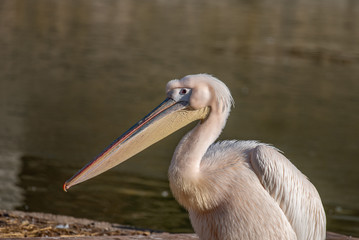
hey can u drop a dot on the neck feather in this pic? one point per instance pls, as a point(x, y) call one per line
point(192, 147)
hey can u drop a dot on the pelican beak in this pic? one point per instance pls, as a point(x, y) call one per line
point(165, 119)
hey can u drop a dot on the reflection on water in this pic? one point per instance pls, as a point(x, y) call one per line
point(76, 74)
point(133, 199)
point(11, 195)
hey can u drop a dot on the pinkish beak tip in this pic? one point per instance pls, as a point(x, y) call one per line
point(65, 187)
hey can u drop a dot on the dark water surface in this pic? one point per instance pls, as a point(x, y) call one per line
point(74, 75)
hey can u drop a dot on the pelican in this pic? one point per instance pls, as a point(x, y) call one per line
point(231, 189)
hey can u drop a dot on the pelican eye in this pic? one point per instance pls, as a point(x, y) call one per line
point(183, 91)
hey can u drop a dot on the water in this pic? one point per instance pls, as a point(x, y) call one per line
point(74, 75)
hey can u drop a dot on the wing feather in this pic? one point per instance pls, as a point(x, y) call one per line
point(295, 194)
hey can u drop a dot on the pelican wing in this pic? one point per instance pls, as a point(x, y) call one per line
point(294, 193)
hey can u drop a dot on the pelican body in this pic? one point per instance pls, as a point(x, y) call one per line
point(231, 189)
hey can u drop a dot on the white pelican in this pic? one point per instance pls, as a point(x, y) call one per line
point(231, 189)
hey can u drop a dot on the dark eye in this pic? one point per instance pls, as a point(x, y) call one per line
point(183, 91)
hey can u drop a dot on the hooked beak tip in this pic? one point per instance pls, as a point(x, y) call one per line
point(65, 187)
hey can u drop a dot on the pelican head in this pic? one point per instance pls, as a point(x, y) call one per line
point(188, 99)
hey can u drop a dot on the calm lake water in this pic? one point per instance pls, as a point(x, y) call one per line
point(74, 75)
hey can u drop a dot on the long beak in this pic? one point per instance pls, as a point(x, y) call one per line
point(165, 119)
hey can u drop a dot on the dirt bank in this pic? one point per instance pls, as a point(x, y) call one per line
point(17, 225)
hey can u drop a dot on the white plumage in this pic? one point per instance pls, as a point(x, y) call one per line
point(240, 189)
point(232, 189)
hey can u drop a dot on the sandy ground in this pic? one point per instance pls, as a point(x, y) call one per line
point(17, 225)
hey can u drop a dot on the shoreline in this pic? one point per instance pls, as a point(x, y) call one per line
point(35, 225)
point(17, 225)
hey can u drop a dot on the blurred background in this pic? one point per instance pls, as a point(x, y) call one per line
point(74, 75)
